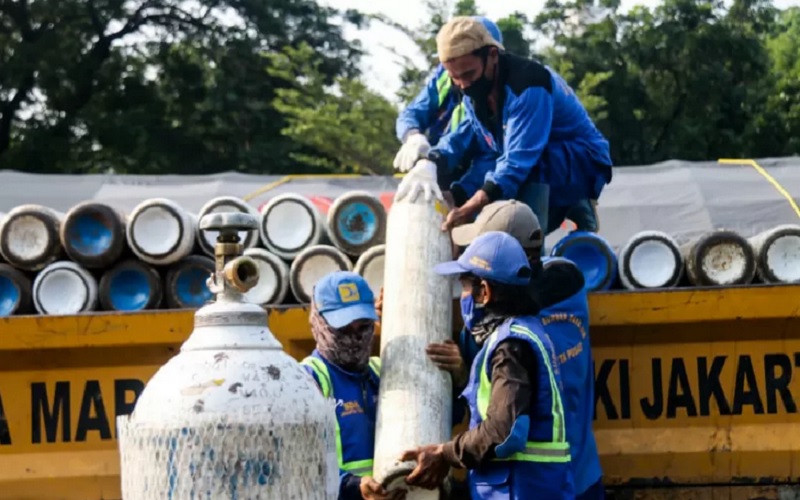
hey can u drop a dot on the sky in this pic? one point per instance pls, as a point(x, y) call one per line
point(382, 67)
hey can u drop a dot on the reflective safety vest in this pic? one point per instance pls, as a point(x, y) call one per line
point(356, 398)
point(534, 460)
point(443, 87)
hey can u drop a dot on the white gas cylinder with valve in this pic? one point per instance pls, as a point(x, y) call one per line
point(231, 416)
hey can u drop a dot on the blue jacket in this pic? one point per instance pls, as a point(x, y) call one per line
point(567, 324)
point(534, 461)
point(543, 134)
point(356, 397)
point(431, 110)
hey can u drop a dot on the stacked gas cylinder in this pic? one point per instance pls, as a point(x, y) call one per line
point(95, 257)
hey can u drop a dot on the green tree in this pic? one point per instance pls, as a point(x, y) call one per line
point(345, 126)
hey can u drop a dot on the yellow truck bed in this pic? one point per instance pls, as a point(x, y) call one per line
point(693, 388)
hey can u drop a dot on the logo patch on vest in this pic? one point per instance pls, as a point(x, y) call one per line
point(348, 292)
point(351, 408)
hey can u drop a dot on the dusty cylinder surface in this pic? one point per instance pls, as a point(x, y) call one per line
point(357, 222)
point(370, 265)
point(15, 291)
point(93, 234)
point(273, 278)
point(650, 259)
point(160, 231)
point(719, 258)
point(231, 416)
point(64, 287)
point(131, 285)
point(311, 265)
point(777, 253)
point(220, 204)
point(29, 237)
point(415, 406)
point(290, 223)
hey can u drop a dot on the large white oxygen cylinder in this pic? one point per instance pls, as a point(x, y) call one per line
point(231, 416)
point(161, 232)
point(273, 278)
point(370, 265)
point(311, 265)
point(64, 287)
point(650, 259)
point(93, 234)
point(719, 258)
point(220, 204)
point(414, 405)
point(29, 237)
point(357, 222)
point(777, 253)
point(289, 224)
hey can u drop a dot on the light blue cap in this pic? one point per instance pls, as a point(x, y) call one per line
point(343, 297)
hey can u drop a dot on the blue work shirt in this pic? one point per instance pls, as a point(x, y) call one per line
point(431, 109)
point(541, 134)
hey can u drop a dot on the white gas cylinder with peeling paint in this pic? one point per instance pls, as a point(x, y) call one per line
point(232, 416)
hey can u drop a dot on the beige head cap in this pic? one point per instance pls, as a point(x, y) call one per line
point(463, 35)
point(509, 216)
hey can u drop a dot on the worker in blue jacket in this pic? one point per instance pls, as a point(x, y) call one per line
point(516, 445)
point(435, 111)
point(342, 322)
point(535, 141)
point(560, 292)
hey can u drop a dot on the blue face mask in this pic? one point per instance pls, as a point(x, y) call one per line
point(471, 312)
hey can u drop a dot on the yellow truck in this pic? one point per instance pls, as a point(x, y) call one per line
point(695, 392)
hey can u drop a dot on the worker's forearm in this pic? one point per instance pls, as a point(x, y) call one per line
point(510, 398)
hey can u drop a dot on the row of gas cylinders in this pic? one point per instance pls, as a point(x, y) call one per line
point(95, 257)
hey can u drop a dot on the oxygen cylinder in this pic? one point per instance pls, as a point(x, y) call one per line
point(650, 259)
point(224, 204)
point(593, 256)
point(93, 234)
point(357, 222)
point(777, 253)
point(63, 288)
point(29, 237)
point(415, 400)
point(273, 278)
point(231, 416)
point(131, 285)
point(290, 223)
point(371, 266)
point(719, 258)
point(161, 232)
point(15, 292)
point(185, 283)
point(311, 265)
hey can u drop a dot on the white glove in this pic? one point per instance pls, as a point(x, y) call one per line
point(415, 147)
point(421, 179)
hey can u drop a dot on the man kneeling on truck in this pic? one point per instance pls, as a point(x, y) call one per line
point(516, 446)
point(343, 325)
point(561, 294)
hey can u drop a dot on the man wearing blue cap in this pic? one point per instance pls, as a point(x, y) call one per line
point(516, 445)
point(342, 321)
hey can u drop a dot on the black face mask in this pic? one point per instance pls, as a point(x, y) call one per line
point(479, 90)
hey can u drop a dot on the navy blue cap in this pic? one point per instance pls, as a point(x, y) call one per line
point(494, 256)
point(343, 297)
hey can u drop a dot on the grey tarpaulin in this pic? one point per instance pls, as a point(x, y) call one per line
point(684, 199)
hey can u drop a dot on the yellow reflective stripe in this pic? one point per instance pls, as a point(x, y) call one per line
point(443, 87)
point(559, 434)
point(540, 452)
point(459, 113)
point(375, 365)
point(484, 385)
point(359, 467)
